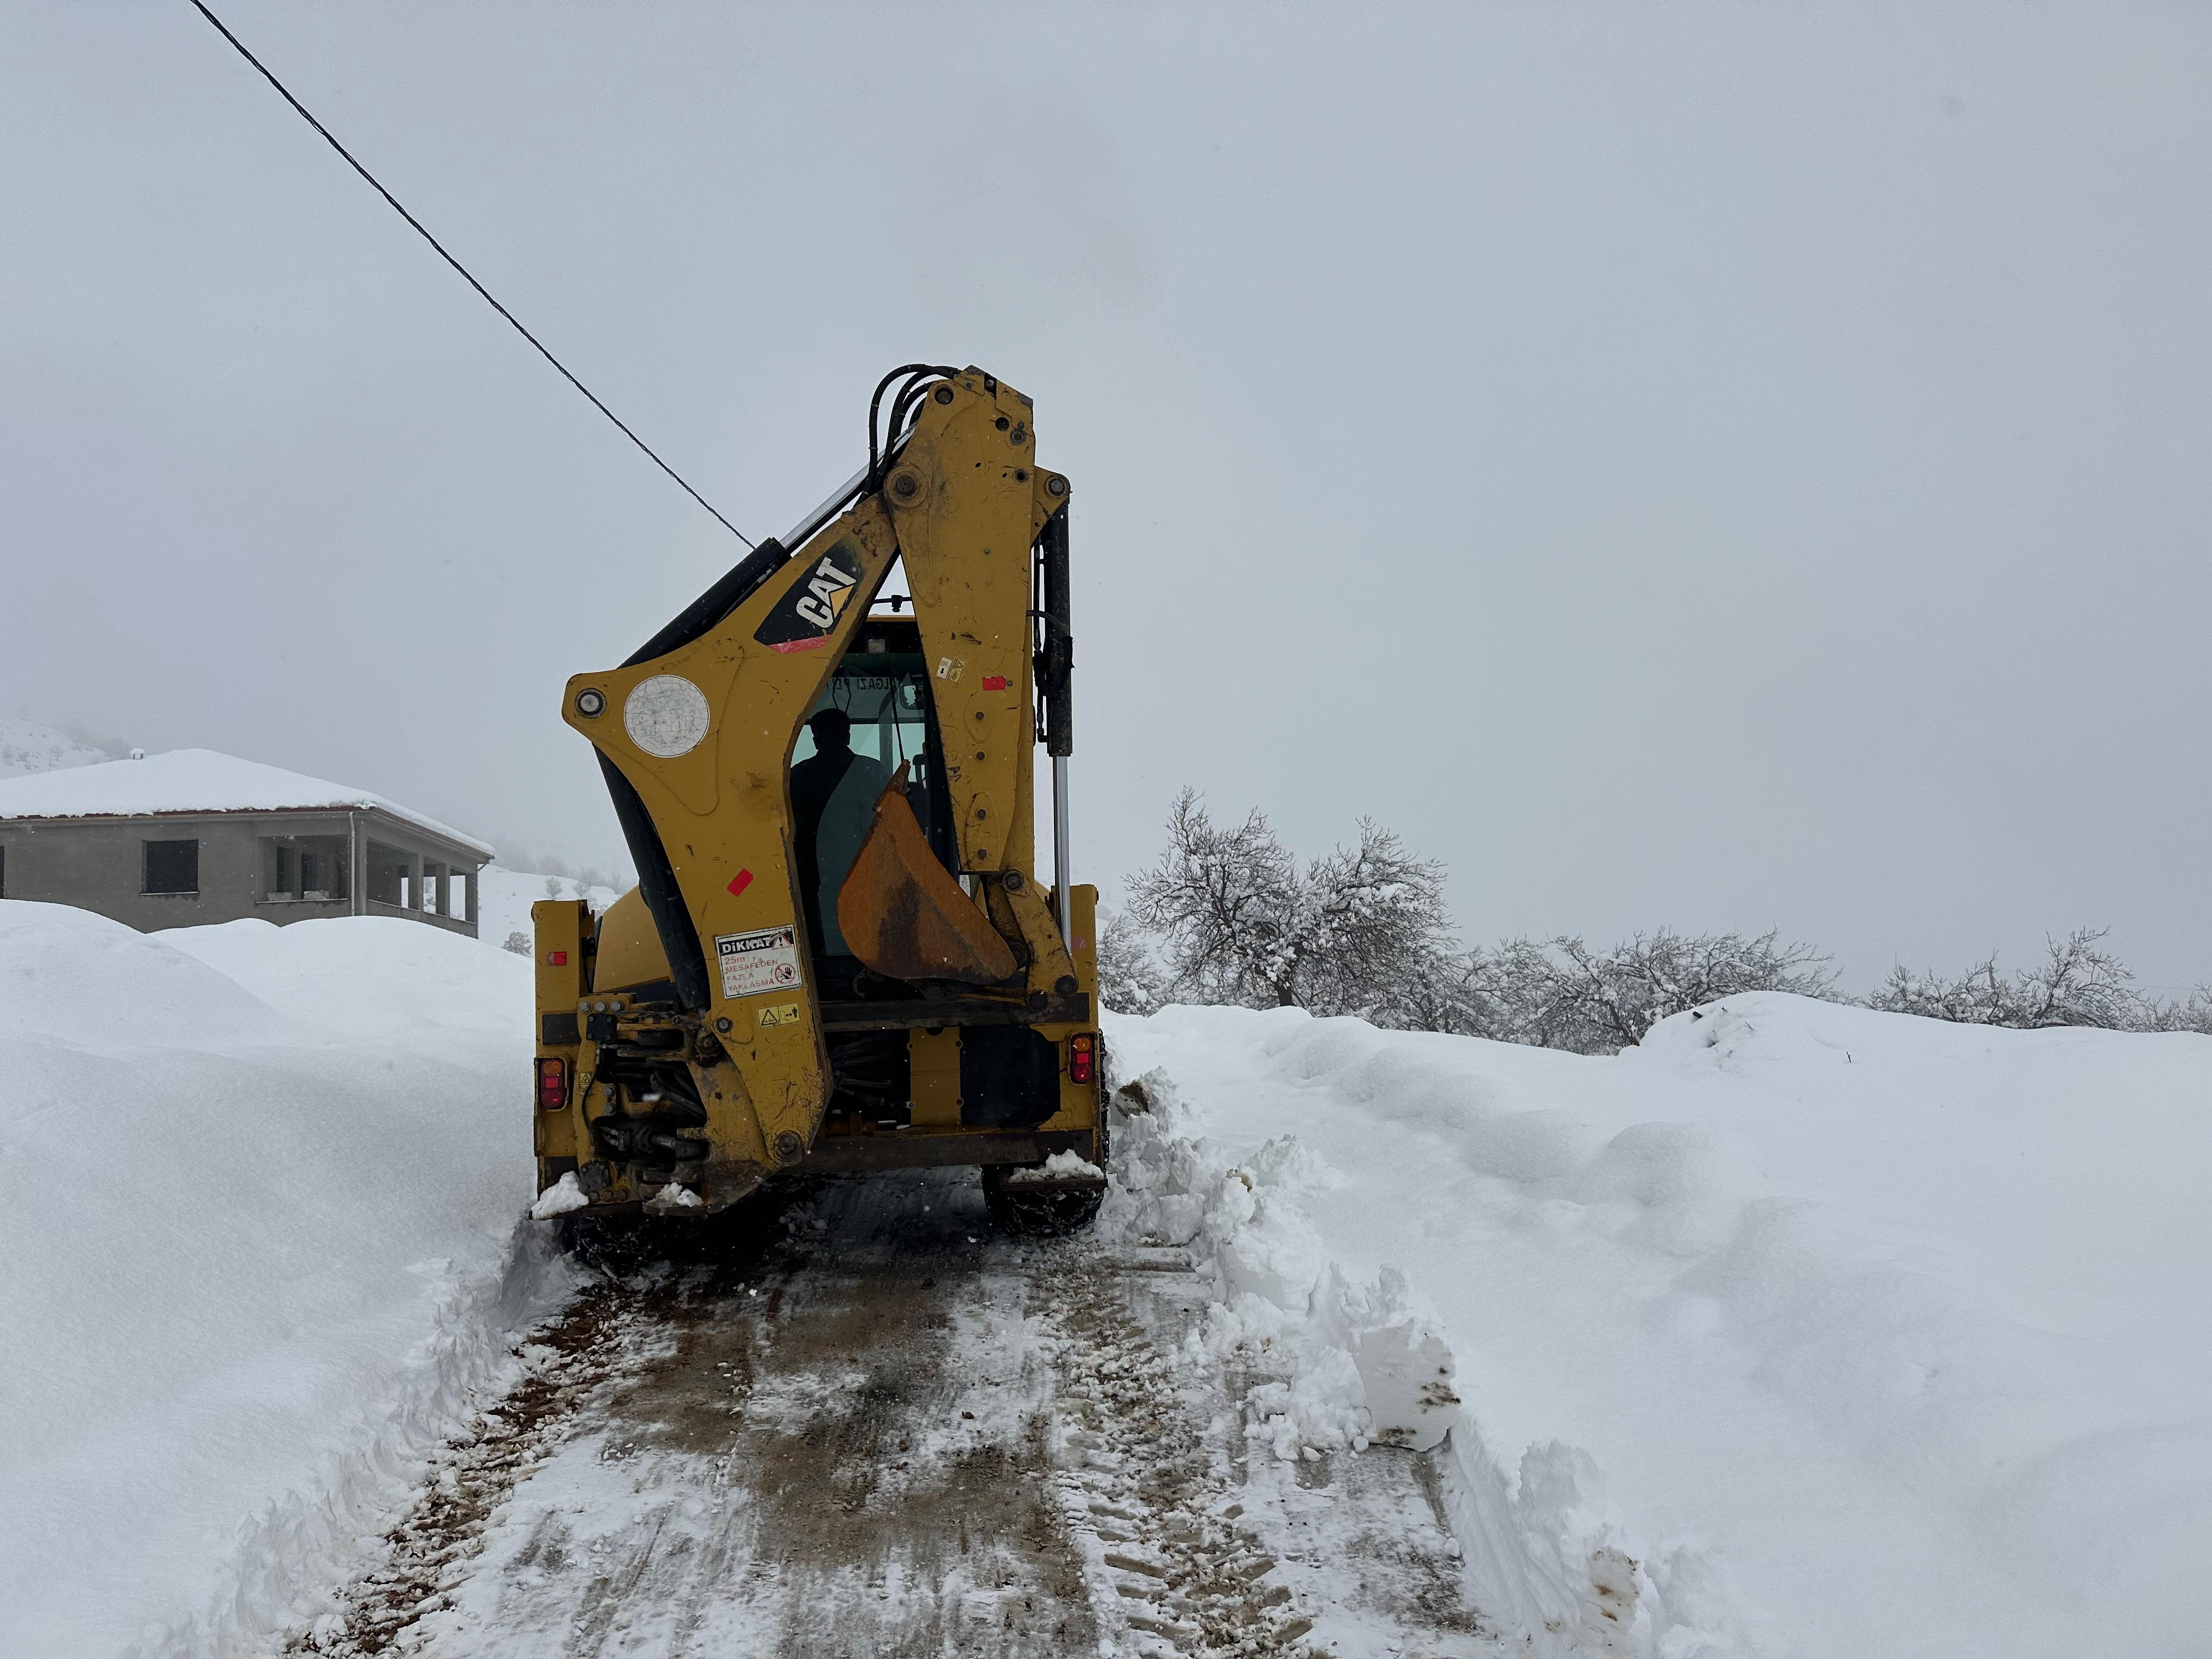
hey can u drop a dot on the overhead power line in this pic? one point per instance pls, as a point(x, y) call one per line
point(307, 115)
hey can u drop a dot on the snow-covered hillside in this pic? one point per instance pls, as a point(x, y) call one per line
point(1862, 1335)
point(262, 1192)
point(27, 745)
point(504, 897)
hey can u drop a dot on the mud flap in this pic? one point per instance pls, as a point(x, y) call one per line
point(1009, 1076)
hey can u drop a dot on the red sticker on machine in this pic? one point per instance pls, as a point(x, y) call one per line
point(994, 682)
point(739, 882)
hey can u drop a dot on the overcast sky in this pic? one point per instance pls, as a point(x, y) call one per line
point(1728, 467)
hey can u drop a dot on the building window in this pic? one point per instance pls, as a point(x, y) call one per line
point(171, 866)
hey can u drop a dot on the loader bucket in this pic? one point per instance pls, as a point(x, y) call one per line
point(903, 915)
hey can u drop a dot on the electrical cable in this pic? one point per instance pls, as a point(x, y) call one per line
point(329, 138)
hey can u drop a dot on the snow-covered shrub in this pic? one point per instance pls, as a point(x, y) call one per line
point(2194, 1015)
point(519, 942)
point(2081, 984)
point(1563, 995)
point(1130, 978)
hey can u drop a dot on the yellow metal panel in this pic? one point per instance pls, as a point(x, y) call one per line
point(629, 947)
point(559, 925)
point(1078, 1102)
point(933, 1058)
point(559, 928)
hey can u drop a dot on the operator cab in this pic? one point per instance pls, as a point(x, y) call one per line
point(882, 688)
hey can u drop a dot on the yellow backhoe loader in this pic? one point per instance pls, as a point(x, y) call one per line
point(839, 955)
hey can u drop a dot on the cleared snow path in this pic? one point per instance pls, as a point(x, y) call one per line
point(882, 1428)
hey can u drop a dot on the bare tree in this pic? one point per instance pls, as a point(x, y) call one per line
point(2080, 984)
point(1450, 992)
point(1243, 922)
point(1363, 931)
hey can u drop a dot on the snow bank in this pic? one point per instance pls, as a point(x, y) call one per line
point(1799, 1329)
point(263, 1253)
point(192, 780)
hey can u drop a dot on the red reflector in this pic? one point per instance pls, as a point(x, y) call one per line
point(552, 1084)
point(739, 882)
point(1082, 1056)
point(556, 959)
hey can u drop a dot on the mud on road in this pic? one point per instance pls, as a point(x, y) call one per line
point(868, 1425)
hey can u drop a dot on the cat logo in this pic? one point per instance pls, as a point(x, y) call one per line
point(811, 606)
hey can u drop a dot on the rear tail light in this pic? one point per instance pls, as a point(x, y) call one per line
point(552, 1084)
point(1082, 1058)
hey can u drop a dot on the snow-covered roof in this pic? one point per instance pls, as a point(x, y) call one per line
point(195, 781)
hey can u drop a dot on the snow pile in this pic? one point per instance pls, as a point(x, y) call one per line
point(562, 1196)
point(1356, 1365)
point(192, 781)
point(1063, 1167)
point(29, 745)
point(1345, 1366)
point(263, 1254)
point(1896, 1333)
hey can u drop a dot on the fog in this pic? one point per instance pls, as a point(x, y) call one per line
point(1714, 466)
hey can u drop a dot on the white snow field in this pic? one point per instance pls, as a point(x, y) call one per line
point(504, 897)
point(1799, 1331)
point(1860, 1336)
point(262, 1253)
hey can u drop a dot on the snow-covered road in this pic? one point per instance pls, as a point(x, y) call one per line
point(1798, 1330)
point(871, 1426)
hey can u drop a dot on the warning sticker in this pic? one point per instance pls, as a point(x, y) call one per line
point(779, 1013)
point(764, 960)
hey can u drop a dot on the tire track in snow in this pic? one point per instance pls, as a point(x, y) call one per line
point(885, 1430)
point(603, 1336)
point(1168, 1560)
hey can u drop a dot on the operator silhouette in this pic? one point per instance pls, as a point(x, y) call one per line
point(832, 800)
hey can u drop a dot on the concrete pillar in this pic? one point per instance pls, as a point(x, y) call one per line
point(357, 874)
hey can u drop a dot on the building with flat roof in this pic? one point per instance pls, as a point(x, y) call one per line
point(194, 836)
